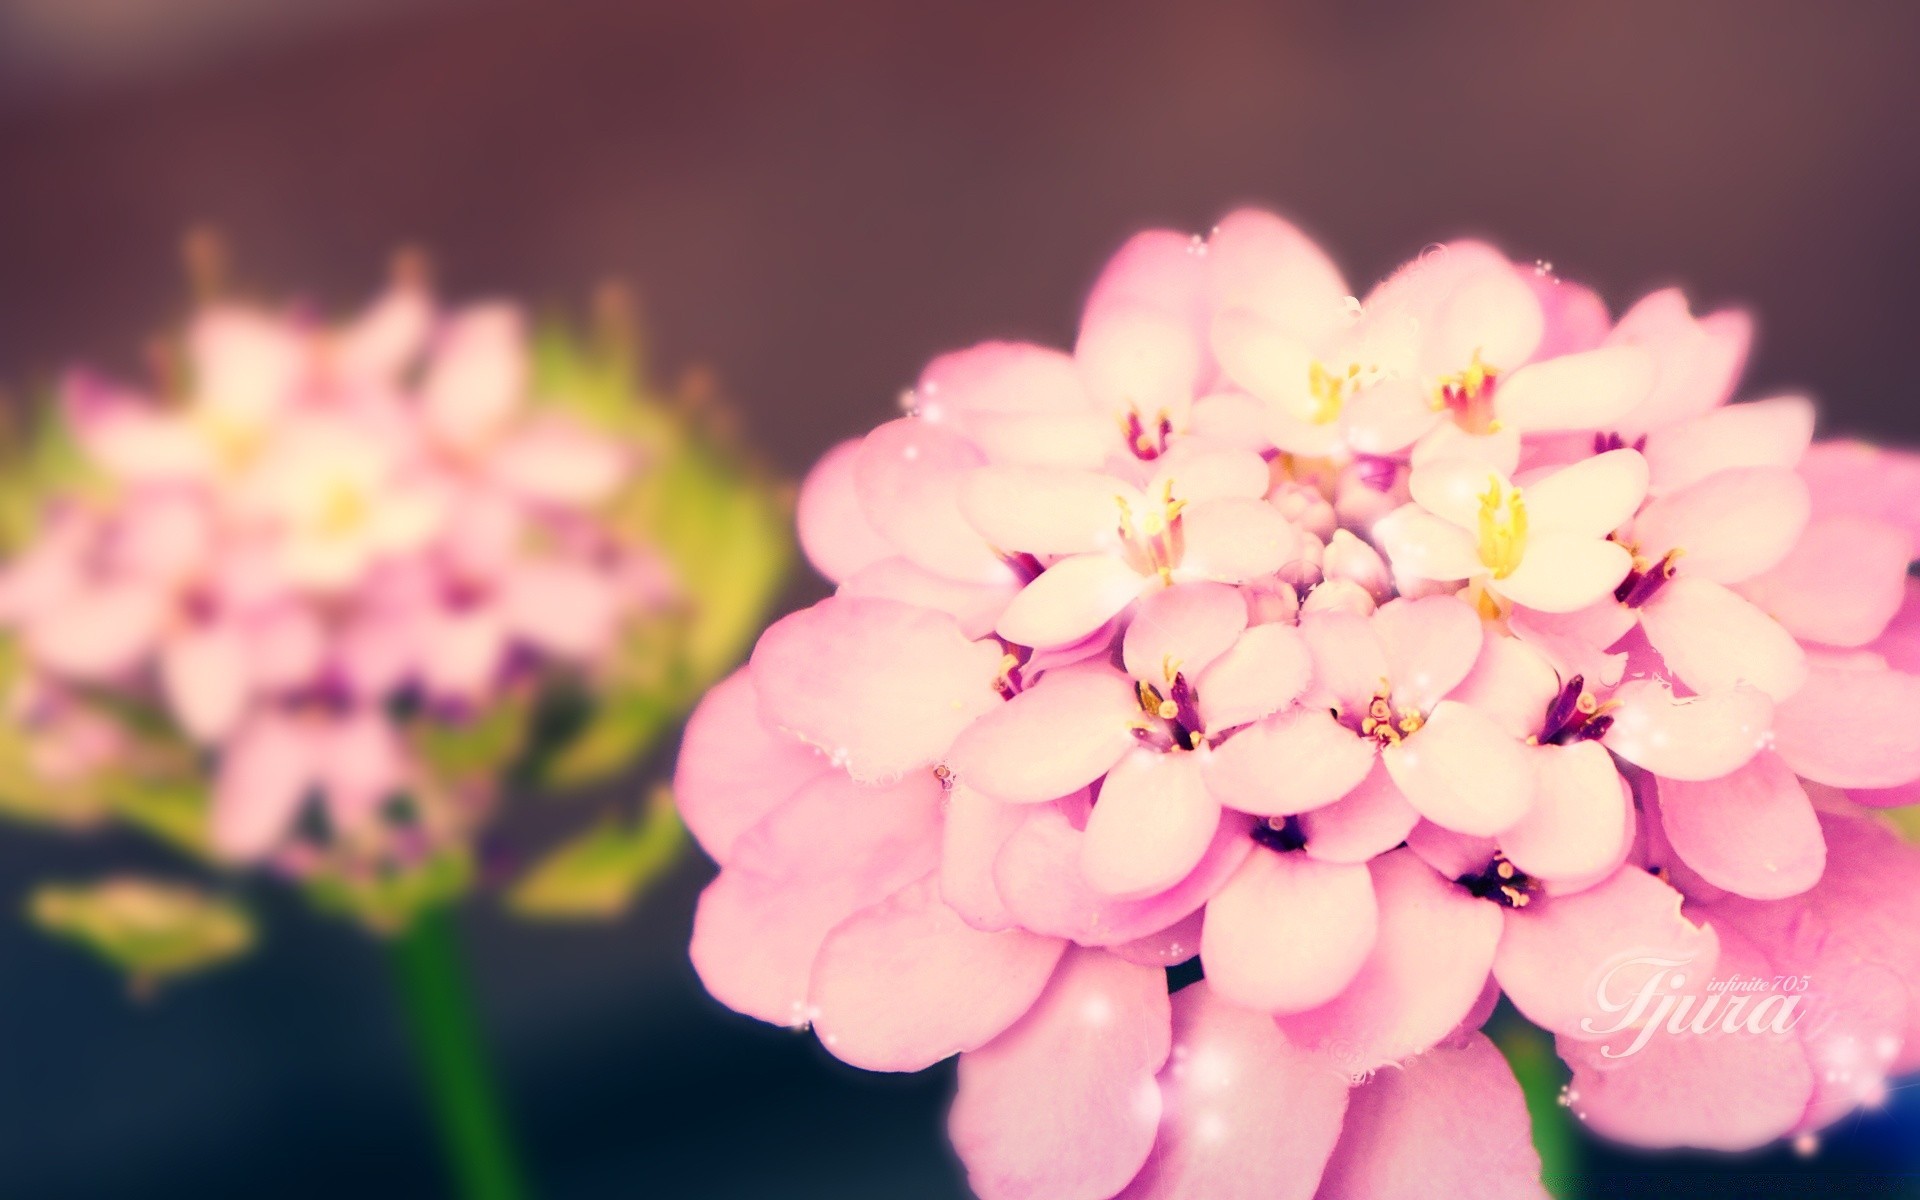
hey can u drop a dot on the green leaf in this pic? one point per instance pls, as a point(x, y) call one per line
point(153, 930)
point(598, 873)
point(1543, 1078)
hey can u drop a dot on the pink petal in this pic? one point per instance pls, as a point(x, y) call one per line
point(1729, 526)
point(1153, 822)
point(1763, 433)
point(1559, 951)
point(1855, 479)
point(883, 687)
point(1841, 584)
point(287, 648)
point(1426, 969)
point(1235, 540)
point(1038, 874)
point(976, 606)
point(1000, 377)
point(1063, 1106)
point(1587, 390)
point(1266, 668)
point(1430, 643)
point(1266, 359)
point(1512, 684)
point(1423, 546)
point(461, 653)
point(478, 374)
point(1753, 832)
point(1371, 819)
point(976, 830)
point(1247, 1115)
point(1257, 261)
point(361, 767)
point(100, 632)
point(264, 775)
point(1169, 947)
point(904, 983)
point(734, 768)
point(1692, 737)
point(1698, 360)
point(1451, 488)
point(566, 609)
point(1836, 728)
point(907, 476)
point(1578, 826)
point(1387, 416)
point(205, 673)
point(1182, 629)
point(1714, 639)
point(1052, 739)
point(1591, 498)
point(1349, 661)
point(559, 464)
point(1288, 932)
point(1042, 510)
point(1563, 573)
point(1866, 913)
point(1717, 1090)
point(1069, 600)
point(1462, 771)
point(834, 530)
point(1289, 763)
point(1450, 1123)
point(1491, 312)
point(831, 850)
point(1136, 357)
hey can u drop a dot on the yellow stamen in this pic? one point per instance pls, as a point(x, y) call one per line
point(1503, 529)
point(1329, 392)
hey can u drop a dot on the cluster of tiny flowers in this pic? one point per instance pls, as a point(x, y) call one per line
point(314, 541)
point(1388, 655)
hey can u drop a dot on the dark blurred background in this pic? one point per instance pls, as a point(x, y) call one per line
point(813, 199)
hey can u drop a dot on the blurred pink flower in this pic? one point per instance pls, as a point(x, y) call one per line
point(324, 523)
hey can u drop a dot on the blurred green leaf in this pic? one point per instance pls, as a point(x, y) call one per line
point(720, 526)
point(597, 874)
point(153, 930)
point(171, 809)
point(389, 901)
point(42, 459)
point(477, 749)
point(1906, 820)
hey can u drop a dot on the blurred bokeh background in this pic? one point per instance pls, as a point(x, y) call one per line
point(813, 199)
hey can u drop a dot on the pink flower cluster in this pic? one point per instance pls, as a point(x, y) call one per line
point(317, 533)
point(1389, 655)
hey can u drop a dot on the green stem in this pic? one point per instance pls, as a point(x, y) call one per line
point(1542, 1077)
point(431, 978)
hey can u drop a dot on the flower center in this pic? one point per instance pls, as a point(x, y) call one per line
point(342, 511)
point(1575, 715)
point(1283, 834)
point(1173, 715)
point(1468, 396)
point(1501, 882)
point(1147, 440)
point(1503, 528)
point(1152, 538)
point(1329, 391)
point(1646, 579)
point(1386, 724)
